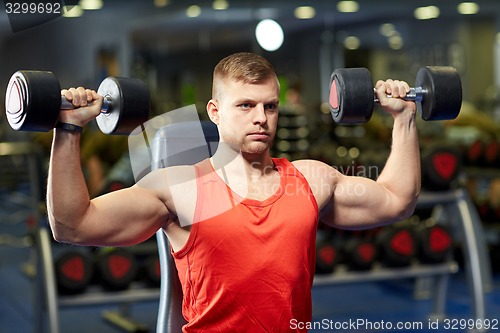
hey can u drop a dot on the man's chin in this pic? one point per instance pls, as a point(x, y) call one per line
point(256, 148)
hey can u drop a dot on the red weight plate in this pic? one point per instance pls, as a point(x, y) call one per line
point(327, 254)
point(119, 266)
point(402, 243)
point(334, 97)
point(74, 269)
point(445, 164)
point(439, 240)
point(366, 252)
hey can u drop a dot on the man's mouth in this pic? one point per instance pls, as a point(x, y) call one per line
point(259, 135)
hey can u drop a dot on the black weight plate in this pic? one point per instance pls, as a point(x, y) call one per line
point(73, 272)
point(32, 101)
point(153, 271)
point(116, 268)
point(397, 246)
point(441, 166)
point(327, 256)
point(443, 97)
point(360, 254)
point(351, 95)
point(129, 105)
point(435, 244)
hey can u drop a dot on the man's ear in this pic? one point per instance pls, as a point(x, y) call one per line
point(213, 111)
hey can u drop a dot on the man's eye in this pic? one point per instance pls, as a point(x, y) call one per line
point(271, 107)
point(245, 106)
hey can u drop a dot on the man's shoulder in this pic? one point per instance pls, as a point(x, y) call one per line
point(309, 167)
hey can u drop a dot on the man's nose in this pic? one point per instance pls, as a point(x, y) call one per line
point(259, 114)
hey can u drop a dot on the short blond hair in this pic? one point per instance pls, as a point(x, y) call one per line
point(242, 67)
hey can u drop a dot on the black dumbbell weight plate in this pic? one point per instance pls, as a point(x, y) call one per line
point(441, 165)
point(360, 254)
point(443, 97)
point(435, 244)
point(327, 257)
point(73, 272)
point(351, 95)
point(116, 268)
point(129, 105)
point(397, 246)
point(32, 101)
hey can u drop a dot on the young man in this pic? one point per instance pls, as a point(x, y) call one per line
point(246, 250)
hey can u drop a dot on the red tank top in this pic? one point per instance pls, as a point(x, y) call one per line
point(250, 268)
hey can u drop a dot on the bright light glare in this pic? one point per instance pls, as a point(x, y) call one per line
point(347, 6)
point(220, 5)
point(72, 11)
point(468, 8)
point(193, 11)
point(426, 13)
point(90, 4)
point(269, 35)
point(305, 12)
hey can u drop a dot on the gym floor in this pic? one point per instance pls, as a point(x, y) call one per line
point(378, 304)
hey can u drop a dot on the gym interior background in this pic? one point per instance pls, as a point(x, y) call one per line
point(172, 45)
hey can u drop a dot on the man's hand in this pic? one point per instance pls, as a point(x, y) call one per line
point(394, 104)
point(87, 105)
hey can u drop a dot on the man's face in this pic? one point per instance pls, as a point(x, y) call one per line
point(247, 114)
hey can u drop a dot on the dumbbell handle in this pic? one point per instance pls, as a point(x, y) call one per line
point(415, 94)
point(105, 108)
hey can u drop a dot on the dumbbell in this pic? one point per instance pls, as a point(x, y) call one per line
point(397, 245)
point(360, 251)
point(360, 254)
point(151, 270)
point(73, 270)
point(327, 257)
point(116, 268)
point(435, 242)
point(441, 166)
point(327, 251)
point(33, 101)
point(437, 93)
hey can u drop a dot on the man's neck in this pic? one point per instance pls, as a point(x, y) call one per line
point(243, 172)
point(232, 159)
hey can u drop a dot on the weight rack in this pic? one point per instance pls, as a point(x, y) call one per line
point(48, 302)
point(457, 208)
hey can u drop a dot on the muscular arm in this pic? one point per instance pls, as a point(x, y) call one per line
point(357, 202)
point(119, 218)
point(360, 202)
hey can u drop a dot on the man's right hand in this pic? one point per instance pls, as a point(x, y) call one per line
point(87, 105)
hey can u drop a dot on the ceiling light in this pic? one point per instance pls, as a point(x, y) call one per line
point(220, 5)
point(90, 4)
point(426, 13)
point(193, 11)
point(269, 35)
point(387, 29)
point(468, 8)
point(161, 3)
point(395, 42)
point(352, 43)
point(305, 12)
point(347, 6)
point(72, 11)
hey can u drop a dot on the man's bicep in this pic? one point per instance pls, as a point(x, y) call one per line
point(359, 202)
point(122, 218)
